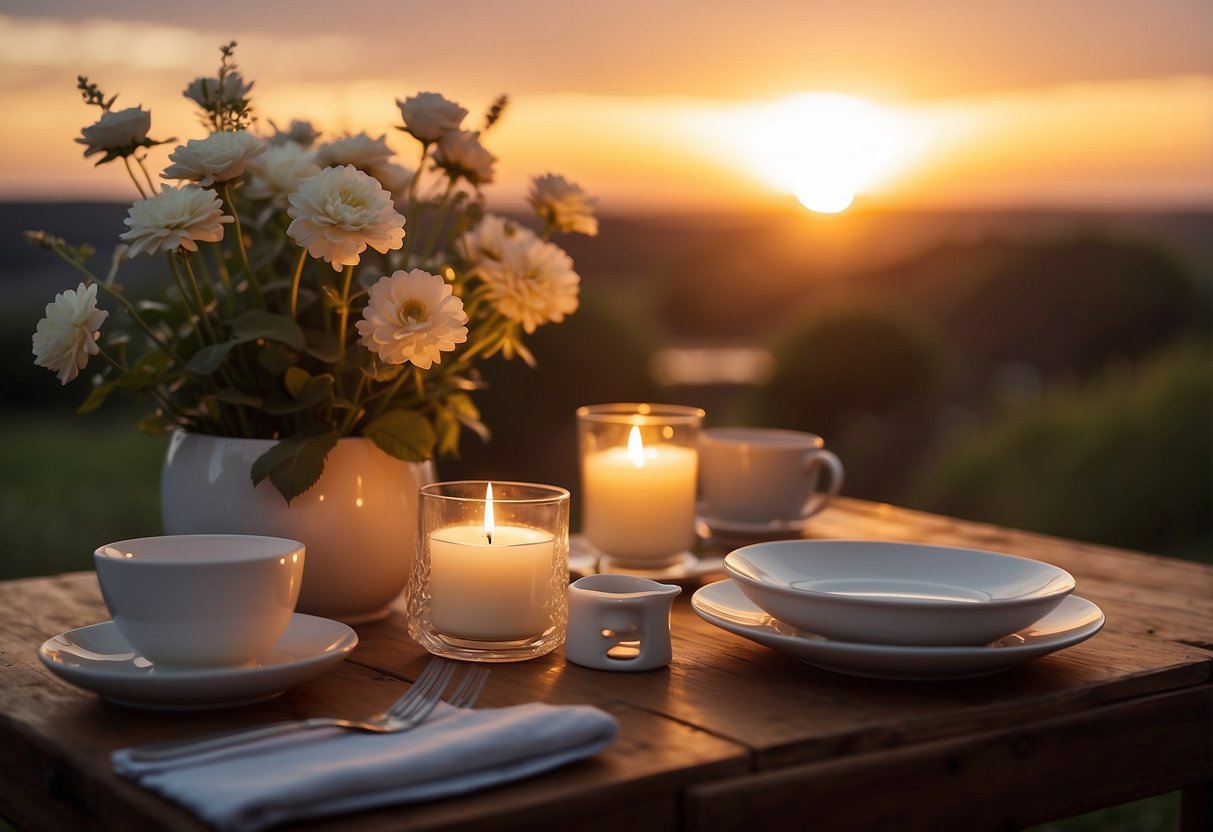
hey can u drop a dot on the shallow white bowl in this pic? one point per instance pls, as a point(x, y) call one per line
point(880, 592)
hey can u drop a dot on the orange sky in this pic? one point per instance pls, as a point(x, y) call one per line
point(672, 105)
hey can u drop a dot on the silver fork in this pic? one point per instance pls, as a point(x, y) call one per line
point(405, 713)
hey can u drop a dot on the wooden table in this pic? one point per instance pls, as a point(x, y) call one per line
point(732, 735)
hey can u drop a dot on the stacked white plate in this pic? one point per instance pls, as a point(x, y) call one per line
point(897, 610)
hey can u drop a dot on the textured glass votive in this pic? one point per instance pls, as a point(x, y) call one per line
point(639, 464)
point(490, 578)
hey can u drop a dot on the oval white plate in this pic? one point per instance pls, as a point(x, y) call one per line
point(1074, 620)
point(99, 659)
point(883, 592)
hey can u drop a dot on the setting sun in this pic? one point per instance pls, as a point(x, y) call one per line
point(826, 148)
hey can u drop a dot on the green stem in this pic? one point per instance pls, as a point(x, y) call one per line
point(126, 160)
point(151, 185)
point(192, 284)
point(343, 323)
point(439, 222)
point(254, 283)
point(295, 284)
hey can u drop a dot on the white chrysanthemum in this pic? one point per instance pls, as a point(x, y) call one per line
point(460, 153)
point(413, 317)
point(217, 158)
point(340, 211)
point(563, 205)
point(117, 133)
point(277, 173)
point(428, 116)
point(175, 218)
point(67, 336)
point(487, 239)
point(361, 151)
point(533, 282)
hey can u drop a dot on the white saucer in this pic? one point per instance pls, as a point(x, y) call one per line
point(584, 560)
point(1074, 620)
point(99, 659)
point(710, 528)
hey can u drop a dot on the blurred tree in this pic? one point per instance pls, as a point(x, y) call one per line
point(863, 376)
point(1126, 460)
point(1068, 307)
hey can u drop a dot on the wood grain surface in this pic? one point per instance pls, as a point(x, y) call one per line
point(731, 735)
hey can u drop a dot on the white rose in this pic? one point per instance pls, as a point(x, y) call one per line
point(428, 116)
point(117, 133)
point(217, 158)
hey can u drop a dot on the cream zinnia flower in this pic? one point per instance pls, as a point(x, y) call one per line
point(412, 317)
point(217, 158)
point(487, 239)
point(67, 336)
point(563, 205)
point(277, 173)
point(361, 151)
point(460, 153)
point(340, 211)
point(175, 218)
point(428, 116)
point(532, 283)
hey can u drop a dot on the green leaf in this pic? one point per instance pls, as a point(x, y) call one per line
point(405, 434)
point(207, 360)
point(96, 398)
point(296, 380)
point(231, 396)
point(322, 345)
point(153, 424)
point(257, 323)
point(317, 390)
point(294, 465)
point(275, 358)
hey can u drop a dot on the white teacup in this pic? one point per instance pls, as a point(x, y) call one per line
point(763, 477)
point(201, 600)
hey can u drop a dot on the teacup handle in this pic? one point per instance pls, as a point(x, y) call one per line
point(814, 460)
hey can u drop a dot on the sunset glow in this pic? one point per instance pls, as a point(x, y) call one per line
point(758, 141)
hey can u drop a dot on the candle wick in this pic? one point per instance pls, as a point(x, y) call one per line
point(489, 535)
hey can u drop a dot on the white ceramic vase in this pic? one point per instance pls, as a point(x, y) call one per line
point(358, 522)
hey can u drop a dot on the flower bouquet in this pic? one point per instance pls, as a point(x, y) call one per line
point(313, 290)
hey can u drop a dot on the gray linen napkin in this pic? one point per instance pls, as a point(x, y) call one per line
point(326, 772)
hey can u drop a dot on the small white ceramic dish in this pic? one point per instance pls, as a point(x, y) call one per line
point(99, 659)
point(584, 560)
point(882, 592)
point(1073, 621)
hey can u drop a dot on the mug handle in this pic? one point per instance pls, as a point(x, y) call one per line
point(821, 458)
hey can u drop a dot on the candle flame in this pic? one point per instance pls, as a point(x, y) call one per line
point(489, 523)
point(635, 447)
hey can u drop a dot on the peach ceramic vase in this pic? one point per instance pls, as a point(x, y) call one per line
point(358, 522)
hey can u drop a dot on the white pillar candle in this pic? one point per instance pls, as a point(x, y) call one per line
point(639, 501)
point(490, 591)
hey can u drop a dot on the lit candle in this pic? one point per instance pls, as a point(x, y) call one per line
point(490, 582)
point(639, 500)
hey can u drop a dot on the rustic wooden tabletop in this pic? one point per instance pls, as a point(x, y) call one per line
point(732, 735)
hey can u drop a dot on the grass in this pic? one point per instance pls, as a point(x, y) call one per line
point(69, 484)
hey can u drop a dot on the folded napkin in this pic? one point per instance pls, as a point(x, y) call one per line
point(329, 771)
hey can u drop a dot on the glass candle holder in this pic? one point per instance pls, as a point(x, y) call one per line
point(489, 581)
point(639, 464)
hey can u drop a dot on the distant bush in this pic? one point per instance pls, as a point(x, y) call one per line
point(864, 376)
point(1068, 307)
point(1125, 460)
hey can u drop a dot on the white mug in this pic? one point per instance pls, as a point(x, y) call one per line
point(764, 476)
